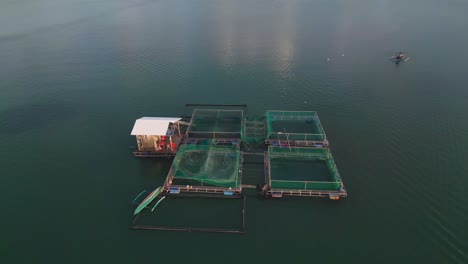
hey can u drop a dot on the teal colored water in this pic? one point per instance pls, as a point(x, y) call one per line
point(74, 75)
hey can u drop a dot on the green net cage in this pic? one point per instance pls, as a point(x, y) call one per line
point(254, 129)
point(214, 123)
point(294, 125)
point(207, 165)
point(302, 169)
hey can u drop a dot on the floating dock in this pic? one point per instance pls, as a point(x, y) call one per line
point(208, 145)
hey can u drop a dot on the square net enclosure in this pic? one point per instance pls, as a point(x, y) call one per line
point(206, 165)
point(214, 123)
point(302, 169)
point(294, 125)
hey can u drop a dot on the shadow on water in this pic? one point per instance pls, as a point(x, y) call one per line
point(33, 116)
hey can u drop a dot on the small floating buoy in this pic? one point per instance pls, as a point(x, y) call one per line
point(333, 196)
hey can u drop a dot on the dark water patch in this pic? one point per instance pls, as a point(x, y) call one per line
point(33, 116)
point(65, 25)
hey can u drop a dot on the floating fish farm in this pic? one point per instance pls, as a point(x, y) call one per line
point(210, 144)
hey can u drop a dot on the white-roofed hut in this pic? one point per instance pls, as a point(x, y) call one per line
point(157, 136)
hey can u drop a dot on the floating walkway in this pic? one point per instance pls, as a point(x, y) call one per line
point(208, 145)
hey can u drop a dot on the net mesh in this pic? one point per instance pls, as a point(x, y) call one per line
point(303, 168)
point(254, 130)
point(294, 125)
point(207, 165)
point(210, 123)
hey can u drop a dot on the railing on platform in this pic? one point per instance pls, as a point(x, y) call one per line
point(311, 193)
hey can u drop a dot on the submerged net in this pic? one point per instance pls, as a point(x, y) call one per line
point(303, 168)
point(210, 123)
point(207, 165)
point(294, 125)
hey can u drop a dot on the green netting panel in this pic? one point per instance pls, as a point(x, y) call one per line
point(287, 185)
point(212, 165)
point(294, 125)
point(306, 185)
point(323, 185)
point(299, 153)
point(254, 129)
point(302, 168)
point(210, 123)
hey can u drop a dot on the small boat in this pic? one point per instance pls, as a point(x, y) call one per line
point(148, 200)
point(399, 57)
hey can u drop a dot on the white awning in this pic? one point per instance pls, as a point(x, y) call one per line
point(152, 126)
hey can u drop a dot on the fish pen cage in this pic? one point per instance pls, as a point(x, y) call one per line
point(207, 169)
point(295, 128)
point(286, 154)
point(219, 124)
point(302, 171)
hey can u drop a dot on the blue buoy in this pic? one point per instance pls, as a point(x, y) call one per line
point(174, 190)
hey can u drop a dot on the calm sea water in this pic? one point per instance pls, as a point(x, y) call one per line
point(74, 75)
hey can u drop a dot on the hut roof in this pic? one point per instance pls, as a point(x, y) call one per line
point(152, 126)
